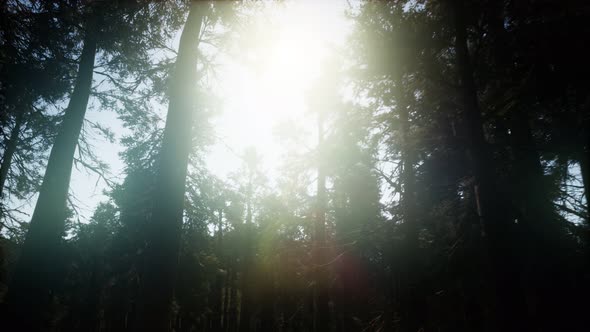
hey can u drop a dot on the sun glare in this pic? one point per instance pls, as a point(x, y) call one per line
point(269, 88)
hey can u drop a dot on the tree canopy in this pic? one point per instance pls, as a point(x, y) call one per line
point(403, 165)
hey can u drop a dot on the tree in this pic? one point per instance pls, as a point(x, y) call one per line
point(31, 292)
point(162, 250)
point(491, 209)
point(28, 291)
point(251, 162)
point(33, 46)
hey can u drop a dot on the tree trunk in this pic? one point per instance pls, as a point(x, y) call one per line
point(226, 299)
point(36, 272)
point(531, 194)
point(536, 217)
point(410, 301)
point(247, 301)
point(267, 296)
point(90, 320)
point(9, 151)
point(322, 310)
point(510, 304)
point(539, 231)
point(585, 170)
point(161, 254)
point(217, 293)
point(10, 53)
point(232, 317)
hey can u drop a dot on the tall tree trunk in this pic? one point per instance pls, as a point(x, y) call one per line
point(36, 271)
point(410, 301)
point(227, 299)
point(161, 254)
point(266, 295)
point(9, 151)
point(540, 268)
point(247, 301)
point(217, 293)
point(90, 320)
point(531, 193)
point(232, 319)
point(540, 233)
point(11, 53)
point(585, 170)
point(267, 298)
point(510, 304)
point(224, 301)
point(321, 293)
point(534, 204)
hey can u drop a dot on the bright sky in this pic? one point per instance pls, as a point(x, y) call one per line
point(256, 97)
point(272, 90)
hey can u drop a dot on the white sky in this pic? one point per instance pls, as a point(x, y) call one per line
point(256, 98)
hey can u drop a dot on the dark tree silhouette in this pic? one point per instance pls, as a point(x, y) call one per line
point(168, 200)
point(30, 291)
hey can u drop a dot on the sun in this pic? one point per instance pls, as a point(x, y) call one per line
point(282, 55)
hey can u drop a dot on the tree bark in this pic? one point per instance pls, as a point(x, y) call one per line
point(247, 299)
point(322, 310)
point(267, 296)
point(585, 170)
point(246, 303)
point(539, 231)
point(226, 298)
point(163, 242)
point(410, 301)
point(36, 272)
point(232, 311)
point(90, 320)
point(510, 305)
point(216, 323)
point(9, 151)
point(10, 147)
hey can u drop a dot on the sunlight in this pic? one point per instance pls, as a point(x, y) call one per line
point(294, 165)
point(269, 87)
